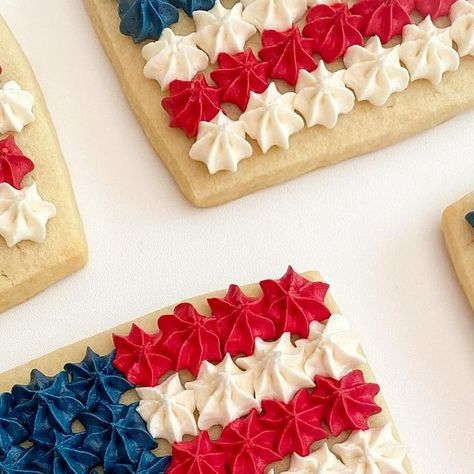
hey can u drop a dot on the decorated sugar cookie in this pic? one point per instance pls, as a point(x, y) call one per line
point(458, 228)
point(266, 378)
point(41, 236)
point(239, 95)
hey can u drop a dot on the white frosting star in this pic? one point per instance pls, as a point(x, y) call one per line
point(277, 368)
point(222, 30)
point(23, 214)
point(276, 15)
point(322, 96)
point(321, 461)
point(374, 450)
point(427, 51)
point(16, 107)
point(221, 144)
point(168, 410)
point(270, 118)
point(331, 350)
point(223, 393)
point(173, 57)
point(462, 27)
point(374, 72)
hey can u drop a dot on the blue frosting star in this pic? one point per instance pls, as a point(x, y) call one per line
point(11, 431)
point(96, 379)
point(189, 6)
point(148, 464)
point(470, 218)
point(146, 19)
point(17, 462)
point(67, 455)
point(45, 406)
point(116, 433)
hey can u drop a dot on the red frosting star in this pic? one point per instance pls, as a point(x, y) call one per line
point(435, 8)
point(333, 29)
point(297, 425)
point(287, 52)
point(189, 338)
point(14, 165)
point(384, 18)
point(293, 302)
point(198, 456)
point(240, 319)
point(249, 447)
point(191, 102)
point(348, 403)
point(140, 358)
point(239, 74)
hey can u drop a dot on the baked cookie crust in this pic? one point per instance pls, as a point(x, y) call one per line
point(102, 344)
point(28, 267)
point(459, 238)
point(366, 128)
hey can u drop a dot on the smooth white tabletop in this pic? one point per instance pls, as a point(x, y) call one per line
point(371, 225)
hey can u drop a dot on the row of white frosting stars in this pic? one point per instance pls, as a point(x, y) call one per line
point(23, 213)
point(224, 392)
point(373, 451)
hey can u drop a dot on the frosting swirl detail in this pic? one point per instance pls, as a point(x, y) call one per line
point(221, 30)
point(173, 57)
point(221, 144)
point(321, 96)
point(270, 118)
point(287, 53)
point(14, 165)
point(23, 214)
point(277, 369)
point(374, 73)
point(434, 8)
point(276, 15)
point(16, 107)
point(462, 27)
point(374, 450)
point(223, 393)
point(427, 51)
point(331, 350)
point(168, 410)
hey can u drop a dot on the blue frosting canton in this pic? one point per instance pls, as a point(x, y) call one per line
point(45, 406)
point(117, 434)
point(17, 462)
point(470, 218)
point(148, 464)
point(96, 379)
point(11, 430)
point(146, 19)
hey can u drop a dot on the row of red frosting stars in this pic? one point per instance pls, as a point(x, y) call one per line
point(186, 338)
point(250, 444)
point(329, 31)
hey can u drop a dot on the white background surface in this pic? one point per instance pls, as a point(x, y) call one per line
point(370, 225)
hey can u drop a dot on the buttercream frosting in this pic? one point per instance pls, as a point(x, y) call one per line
point(16, 107)
point(146, 19)
point(347, 403)
point(321, 96)
point(434, 8)
point(168, 409)
point(173, 57)
point(373, 72)
point(277, 368)
point(14, 165)
point(270, 118)
point(276, 15)
point(427, 51)
point(223, 393)
point(221, 144)
point(331, 350)
point(23, 214)
point(222, 30)
point(462, 27)
point(12, 432)
point(470, 218)
point(374, 450)
point(321, 461)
